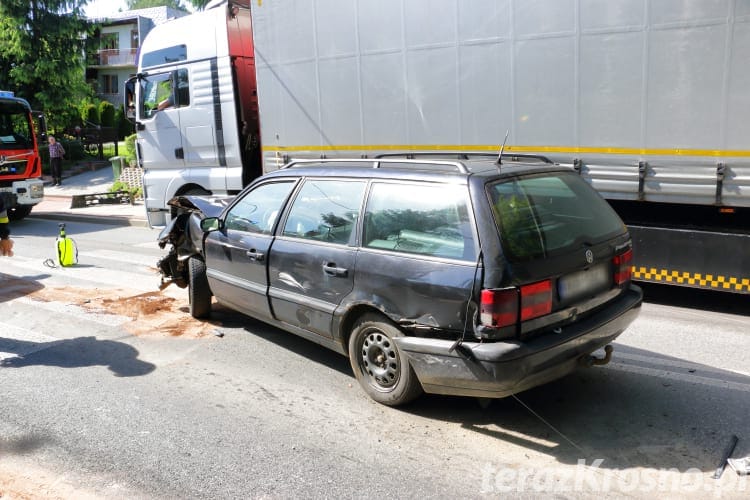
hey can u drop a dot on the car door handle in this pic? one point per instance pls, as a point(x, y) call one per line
point(331, 270)
point(255, 255)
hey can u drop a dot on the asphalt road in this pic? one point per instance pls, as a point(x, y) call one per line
point(103, 405)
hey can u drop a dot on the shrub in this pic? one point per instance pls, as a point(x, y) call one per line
point(135, 192)
point(73, 150)
point(90, 114)
point(106, 114)
point(124, 126)
point(130, 149)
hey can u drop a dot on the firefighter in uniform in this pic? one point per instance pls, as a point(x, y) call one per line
point(6, 244)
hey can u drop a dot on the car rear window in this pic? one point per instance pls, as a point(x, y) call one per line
point(544, 214)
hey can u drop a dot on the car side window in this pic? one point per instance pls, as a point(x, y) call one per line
point(325, 210)
point(257, 210)
point(420, 219)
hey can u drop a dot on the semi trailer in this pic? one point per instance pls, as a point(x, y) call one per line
point(645, 99)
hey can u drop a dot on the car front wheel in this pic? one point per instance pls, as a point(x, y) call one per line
point(199, 293)
point(381, 369)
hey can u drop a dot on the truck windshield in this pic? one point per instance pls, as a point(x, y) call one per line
point(15, 127)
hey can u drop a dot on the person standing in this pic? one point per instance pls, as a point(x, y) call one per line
point(56, 153)
point(6, 244)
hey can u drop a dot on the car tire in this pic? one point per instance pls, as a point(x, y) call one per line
point(199, 294)
point(381, 369)
point(19, 212)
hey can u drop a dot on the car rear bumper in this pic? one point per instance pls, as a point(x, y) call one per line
point(499, 369)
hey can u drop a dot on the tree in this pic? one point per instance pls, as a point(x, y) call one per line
point(144, 4)
point(175, 4)
point(41, 42)
point(199, 4)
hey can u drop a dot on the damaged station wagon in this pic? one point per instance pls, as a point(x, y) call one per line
point(467, 276)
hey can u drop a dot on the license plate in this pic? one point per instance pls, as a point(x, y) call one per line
point(582, 283)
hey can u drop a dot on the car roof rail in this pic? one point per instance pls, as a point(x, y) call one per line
point(462, 155)
point(375, 162)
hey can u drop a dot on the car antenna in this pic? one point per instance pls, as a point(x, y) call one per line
point(502, 148)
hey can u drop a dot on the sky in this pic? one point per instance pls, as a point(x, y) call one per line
point(103, 8)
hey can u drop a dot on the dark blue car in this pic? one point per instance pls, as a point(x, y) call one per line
point(464, 277)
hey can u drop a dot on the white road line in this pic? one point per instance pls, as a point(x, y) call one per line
point(681, 377)
point(75, 311)
point(118, 256)
point(684, 364)
point(17, 342)
point(95, 275)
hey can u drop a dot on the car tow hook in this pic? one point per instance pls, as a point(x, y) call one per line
point(591, 360)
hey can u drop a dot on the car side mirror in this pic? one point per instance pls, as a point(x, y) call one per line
point(210, 224)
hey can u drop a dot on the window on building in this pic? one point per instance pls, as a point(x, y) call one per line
point(110, 84)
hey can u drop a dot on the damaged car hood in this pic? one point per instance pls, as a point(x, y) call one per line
point(206, 205)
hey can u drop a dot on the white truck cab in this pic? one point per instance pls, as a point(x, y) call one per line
point(195, 107)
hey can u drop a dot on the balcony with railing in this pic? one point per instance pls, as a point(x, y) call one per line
point(113, 57)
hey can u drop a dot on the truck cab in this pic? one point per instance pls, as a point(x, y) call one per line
point(20, 165)
point(194, 104)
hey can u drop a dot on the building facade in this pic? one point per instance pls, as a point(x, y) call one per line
point(112, 52)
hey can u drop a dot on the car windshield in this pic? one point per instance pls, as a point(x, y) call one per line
point(543, 214)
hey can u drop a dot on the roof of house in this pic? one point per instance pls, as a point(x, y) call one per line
point(158, 15)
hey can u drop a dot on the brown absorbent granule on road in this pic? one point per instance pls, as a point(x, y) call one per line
point(151, 313)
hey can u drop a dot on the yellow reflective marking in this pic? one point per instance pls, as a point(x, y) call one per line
point(706, 281)
point(518, 149)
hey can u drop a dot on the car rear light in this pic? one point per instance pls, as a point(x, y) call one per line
point(623, 267)
point(536, 300)
point(501, 308)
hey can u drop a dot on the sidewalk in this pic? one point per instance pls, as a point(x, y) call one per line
point(97, 177)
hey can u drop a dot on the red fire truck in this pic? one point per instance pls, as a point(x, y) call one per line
point(20, 165)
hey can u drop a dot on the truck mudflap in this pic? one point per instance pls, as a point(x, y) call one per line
point(693, 258)
point(500, 369)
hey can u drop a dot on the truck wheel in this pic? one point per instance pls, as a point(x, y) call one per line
point(382, 371)
point(19, 212)
point(199, 293)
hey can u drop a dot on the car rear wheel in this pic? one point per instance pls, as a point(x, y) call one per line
point(199, 293)
point(381, 369)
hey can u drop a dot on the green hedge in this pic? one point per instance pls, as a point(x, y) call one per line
point(107, 114)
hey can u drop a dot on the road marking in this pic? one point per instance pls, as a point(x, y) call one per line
point(680, 363)
point(17, 342)
point(681, 377)
point(87, 273)
point(75, 311)
point(124, 257)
